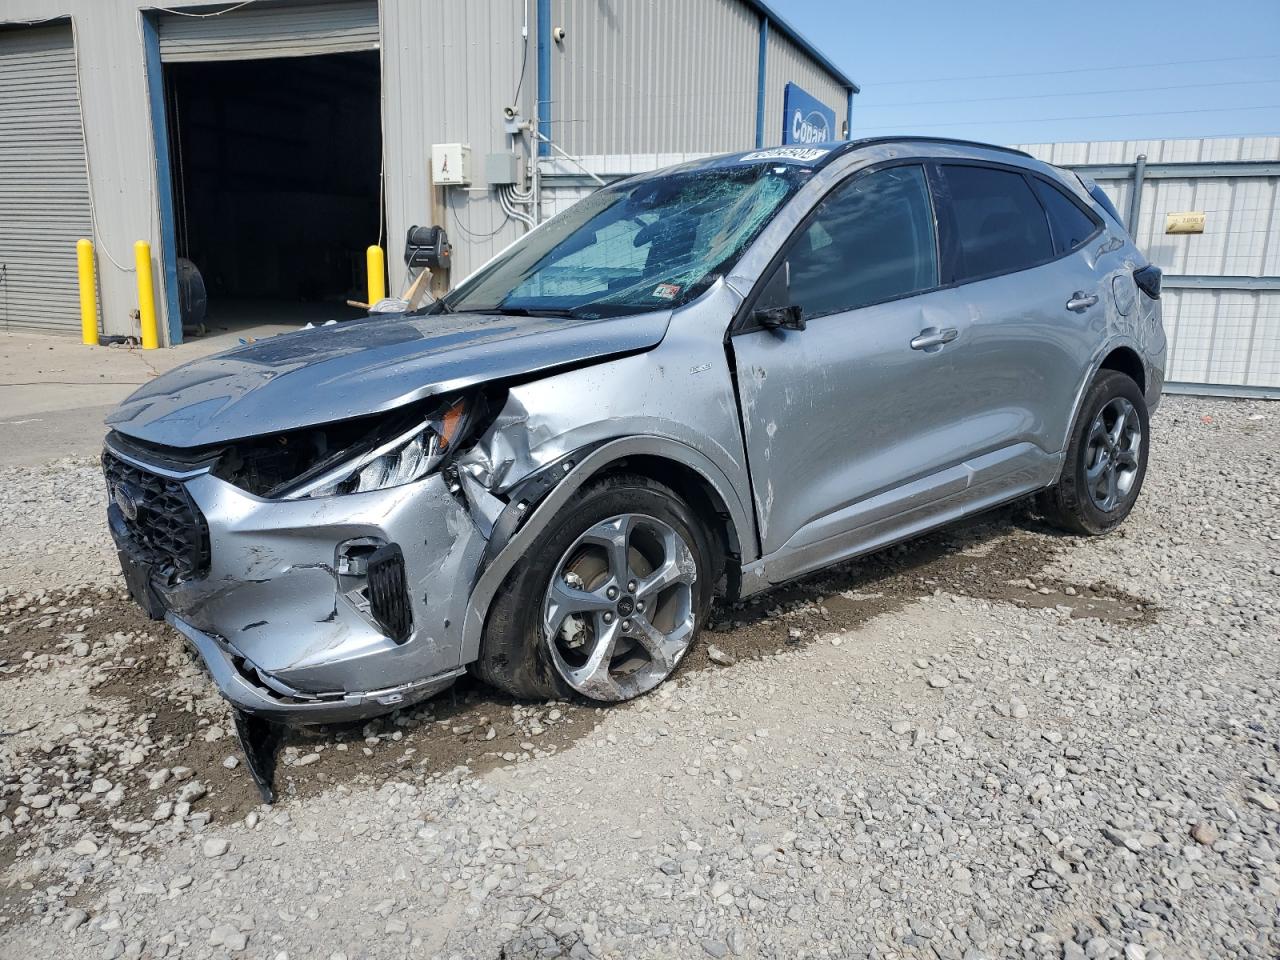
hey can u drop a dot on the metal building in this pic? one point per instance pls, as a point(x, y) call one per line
point(270, 142)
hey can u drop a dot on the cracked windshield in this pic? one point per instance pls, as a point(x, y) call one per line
point(639, 246)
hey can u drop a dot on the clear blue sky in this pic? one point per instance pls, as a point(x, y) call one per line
point(903, 53)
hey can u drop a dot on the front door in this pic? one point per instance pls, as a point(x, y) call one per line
point(851, 421)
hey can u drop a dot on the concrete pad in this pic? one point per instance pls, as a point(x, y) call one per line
point(55, 391)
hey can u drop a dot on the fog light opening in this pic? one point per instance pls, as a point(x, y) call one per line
point(371, 575)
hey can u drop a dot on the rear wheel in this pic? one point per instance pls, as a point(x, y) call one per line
point(608, 600)
point(1106, 459)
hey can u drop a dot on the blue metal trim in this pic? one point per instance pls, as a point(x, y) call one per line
point(794, 36)
point(760, 80)
point(544, 76)
point(848, 116)
point(164, 178)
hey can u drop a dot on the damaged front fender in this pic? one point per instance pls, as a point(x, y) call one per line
point(526, 518)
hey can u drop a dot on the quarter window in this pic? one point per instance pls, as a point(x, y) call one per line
point(871, 240)
point(1000, 224)
point(1070, 225)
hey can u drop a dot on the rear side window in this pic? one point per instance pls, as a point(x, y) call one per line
point(1000, 224)
point(1068, 223)
point(871, 240)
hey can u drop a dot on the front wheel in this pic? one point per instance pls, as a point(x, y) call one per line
point(1106, 459)
point(608, 600)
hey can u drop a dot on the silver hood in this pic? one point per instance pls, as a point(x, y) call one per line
point(361, 367)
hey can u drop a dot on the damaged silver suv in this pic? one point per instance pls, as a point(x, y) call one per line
point(695, 383)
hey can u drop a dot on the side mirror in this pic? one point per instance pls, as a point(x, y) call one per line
point(786, 318)
point(774, 309)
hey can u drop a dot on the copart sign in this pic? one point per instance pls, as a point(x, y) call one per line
point(806, 119)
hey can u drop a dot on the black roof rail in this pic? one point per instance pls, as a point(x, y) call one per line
point(851, 145)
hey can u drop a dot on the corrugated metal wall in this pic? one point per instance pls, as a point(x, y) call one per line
point(656, 76)
point(787, 63)
point(279, 30)
point(448, 70)
point(44, 186)
point(1225, 337)
point(117, 127)
point(661, 76)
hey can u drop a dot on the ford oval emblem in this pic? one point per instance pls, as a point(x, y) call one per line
point(125, 500)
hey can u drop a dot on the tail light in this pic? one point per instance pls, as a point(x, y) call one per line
point(1148, 280)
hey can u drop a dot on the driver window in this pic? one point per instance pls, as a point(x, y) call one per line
point(871, 240)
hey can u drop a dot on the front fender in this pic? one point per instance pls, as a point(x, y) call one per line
point(577, 472)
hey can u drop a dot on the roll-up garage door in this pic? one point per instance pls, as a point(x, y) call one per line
point(44, 185)
point(265, 30)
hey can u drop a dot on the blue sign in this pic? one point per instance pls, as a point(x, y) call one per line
point(806, 119)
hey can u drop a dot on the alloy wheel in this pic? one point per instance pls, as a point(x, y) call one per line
point(1112, 459)
point(620, 609)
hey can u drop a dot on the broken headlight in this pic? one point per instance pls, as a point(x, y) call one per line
point(407, 455)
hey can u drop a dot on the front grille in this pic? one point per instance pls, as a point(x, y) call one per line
point(389, 592)
point(168, 531)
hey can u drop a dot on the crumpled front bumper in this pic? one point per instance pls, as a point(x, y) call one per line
point(243, 692)
point(274, 621)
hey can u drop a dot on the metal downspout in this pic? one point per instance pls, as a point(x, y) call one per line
point(760, 74)
point(1135, 201)
point(543, 102)
point(168, 247)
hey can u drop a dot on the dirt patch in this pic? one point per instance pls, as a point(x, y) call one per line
point(468, 725)
point(999, 557)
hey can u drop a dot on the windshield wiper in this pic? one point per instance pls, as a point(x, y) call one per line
point(567, 312)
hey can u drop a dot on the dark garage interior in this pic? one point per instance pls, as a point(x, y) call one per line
point(275, 169)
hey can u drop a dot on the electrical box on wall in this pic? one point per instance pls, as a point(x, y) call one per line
point(450, 164)
point(501, 168)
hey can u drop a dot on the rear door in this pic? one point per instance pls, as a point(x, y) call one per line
point(1016, 258)
point(846, 422)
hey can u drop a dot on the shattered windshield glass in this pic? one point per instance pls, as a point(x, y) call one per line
point(641, 245)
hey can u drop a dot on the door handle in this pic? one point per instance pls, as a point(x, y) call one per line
point(930, 338)
point(1080, 301)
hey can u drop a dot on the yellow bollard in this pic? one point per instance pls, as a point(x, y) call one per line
point(376, 263)
point(88, 292)
point(146, 296)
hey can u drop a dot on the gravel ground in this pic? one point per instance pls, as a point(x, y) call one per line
point(991, 742)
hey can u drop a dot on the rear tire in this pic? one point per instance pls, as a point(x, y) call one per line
point(1106, 460)
point(533, 649)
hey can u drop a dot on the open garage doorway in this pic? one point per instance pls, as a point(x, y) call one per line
point(276, 167)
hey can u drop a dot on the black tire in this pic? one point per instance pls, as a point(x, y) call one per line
point(1068, 504)
point(514, 655)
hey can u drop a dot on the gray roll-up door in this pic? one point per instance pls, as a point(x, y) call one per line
point(44, 185)
point(265, 30)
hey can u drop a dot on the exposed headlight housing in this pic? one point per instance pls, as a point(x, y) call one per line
point(410, 454)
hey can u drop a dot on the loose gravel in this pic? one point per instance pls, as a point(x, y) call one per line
point(992, 742)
